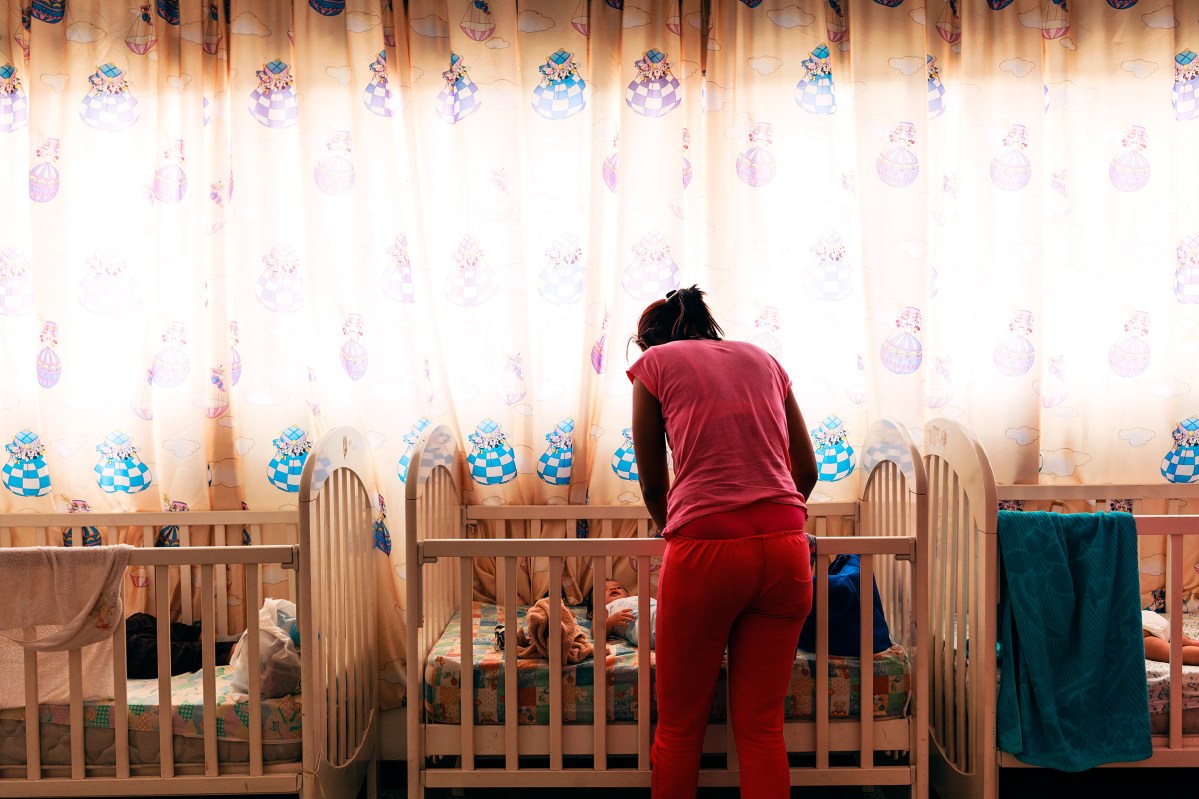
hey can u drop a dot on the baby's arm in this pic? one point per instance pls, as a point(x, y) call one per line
point(618, 621)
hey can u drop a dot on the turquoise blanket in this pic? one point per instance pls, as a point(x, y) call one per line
point(1072, 688)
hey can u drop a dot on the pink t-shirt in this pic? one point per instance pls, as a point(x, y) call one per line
point(722, 402)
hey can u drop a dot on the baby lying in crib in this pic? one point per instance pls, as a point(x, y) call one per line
point(1156, 629)
point(622, 613)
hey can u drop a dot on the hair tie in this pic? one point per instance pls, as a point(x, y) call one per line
point(671, 293)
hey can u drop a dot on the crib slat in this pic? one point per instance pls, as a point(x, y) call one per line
point(120, 702)
point(208, 670)
point(557, 663)
point(33, 743)
point(466, 630)
point(187, 612)
point(599, 664)
point(222, 586)
point(253, 602)
point(166, 708)
point(75, 679)
point(511, 708)
point(644, 693)
point(866, 659)
point(821, 588)
point(1174, 593)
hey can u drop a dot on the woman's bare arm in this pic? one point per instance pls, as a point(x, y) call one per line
point(649, 444)
point(799, 448)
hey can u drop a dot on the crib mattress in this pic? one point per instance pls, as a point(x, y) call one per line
point(280, 717)
point(1158, 676)
point(891, 682)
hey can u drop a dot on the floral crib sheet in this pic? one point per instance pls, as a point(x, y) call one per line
point(443, 674)
point(280, 717)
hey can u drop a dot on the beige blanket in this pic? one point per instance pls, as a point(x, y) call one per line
point(576, 645)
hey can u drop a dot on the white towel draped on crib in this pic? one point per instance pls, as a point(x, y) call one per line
point(61, 598)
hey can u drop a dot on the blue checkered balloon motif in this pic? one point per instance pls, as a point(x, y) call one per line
point(26, 473)
point(561, 282)
point(460, 97)
point(1179, 465)
point(655, 91)
point(377, 96)
point(936, 89)
point(108, 106)
point(652, 271)
point(274, 102)
point(14, 106)
point(1184, 97)
point(554, 465)
point(624, 460)
point(492, 461)
point(835, 459)
point(410, 440)
point(560, 93)
point(120, 470)
point(291, 450)
point(815, 92)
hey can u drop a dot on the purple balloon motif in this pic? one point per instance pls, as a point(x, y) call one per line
point(1186, 275)
point(513, 388)
point(234, 355)
point(652, 272)
point(580, 21)
point(120, 470)
point(397, 277)
point(938, 388)
point(835, 24)
point(1130, 356)
point(1012, 170)
point(211, 36)
point(170, 181)
point(49, 11)
point(171, 364)
point(756, 166)
point(273, 102)
point(1058, 201)
point(835, 458)
point(830, 277)
point(334, 174)
point(49, 365)
point(26, 473)
point(22, 34)
point(108, 106)
point(354, 358)
point(1129, 171)
point(599, 350)
point(1180, 463)
point(561, 281)
point(471, 281)
point(14, 106)
point(460, 97)
point(16, 283)
point(1184, 97)
point(327, 8)
point(1055, 389)
point(389, 22)
point(216, 400)
point(949, 24)
point(478, 22)
point(611, 165)
point(898, 166)
point(766, 325)
point(902, 352)
point(936, 89)
point(141, 37)
point(815, 92)
point(555, 463)
point(1055, 19)
point(287, 465)
point(377, 96)
point(142, 401)
point(946, 207)
point(687, 169)
point(855, 389)
point(655, 91)
point(280, 287)
point(44, 179)
point(108, 288)
point(1014, 355)
point(560, 94)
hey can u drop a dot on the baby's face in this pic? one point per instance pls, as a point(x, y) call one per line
point(614, 590)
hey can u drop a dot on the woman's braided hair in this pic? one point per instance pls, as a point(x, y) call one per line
point(682, 315)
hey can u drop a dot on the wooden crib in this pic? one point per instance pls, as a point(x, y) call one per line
point(328, 748)
point(442, 543)
point(964, 499)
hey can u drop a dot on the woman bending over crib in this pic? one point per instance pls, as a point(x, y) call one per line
point(1156, 629)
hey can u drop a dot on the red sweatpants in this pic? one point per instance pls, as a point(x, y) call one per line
point(751, 595)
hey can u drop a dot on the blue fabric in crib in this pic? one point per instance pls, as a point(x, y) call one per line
point(1072, 688)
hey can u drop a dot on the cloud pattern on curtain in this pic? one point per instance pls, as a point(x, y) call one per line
point(230, 226)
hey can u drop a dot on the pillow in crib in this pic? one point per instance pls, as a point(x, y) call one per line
point(844, 607)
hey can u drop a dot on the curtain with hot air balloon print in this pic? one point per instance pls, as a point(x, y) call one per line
point(229, 226)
